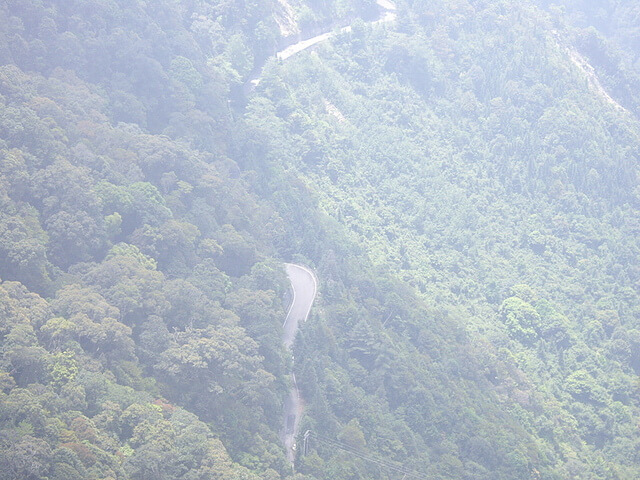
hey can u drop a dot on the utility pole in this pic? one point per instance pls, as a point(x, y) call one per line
point(305, 445)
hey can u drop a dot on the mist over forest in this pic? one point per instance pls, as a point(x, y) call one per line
point(319, 239)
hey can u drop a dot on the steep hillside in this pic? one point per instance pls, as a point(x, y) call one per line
point(607, 35)
point(464, 185)
point(471, 153)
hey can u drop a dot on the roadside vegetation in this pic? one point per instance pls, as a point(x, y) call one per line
point(464, 191)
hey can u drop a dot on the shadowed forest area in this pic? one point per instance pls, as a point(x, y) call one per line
point(463, 181)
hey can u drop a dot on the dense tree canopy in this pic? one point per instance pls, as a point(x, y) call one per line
point(464, 181)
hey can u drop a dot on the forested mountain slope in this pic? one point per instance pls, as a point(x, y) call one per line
point(607, 34)
point(466, 190)
point(473, 155)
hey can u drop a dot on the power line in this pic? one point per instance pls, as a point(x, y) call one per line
point(382, 463)
point(397, 468)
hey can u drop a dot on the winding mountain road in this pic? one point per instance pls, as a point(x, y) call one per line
point(304, 286)
point(387, 15)
point(303, 281)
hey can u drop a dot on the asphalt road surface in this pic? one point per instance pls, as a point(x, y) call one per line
point(387, 15)
point(303, 283)
point(304, 286)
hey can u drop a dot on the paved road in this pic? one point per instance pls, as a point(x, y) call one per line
point(304, 285)
point(303, 281)
point(387, 14)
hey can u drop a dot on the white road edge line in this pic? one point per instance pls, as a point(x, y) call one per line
point(315, 292)
point(315, 289)
point(293, 301)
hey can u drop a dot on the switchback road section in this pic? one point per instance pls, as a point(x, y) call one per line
point(304, 286)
